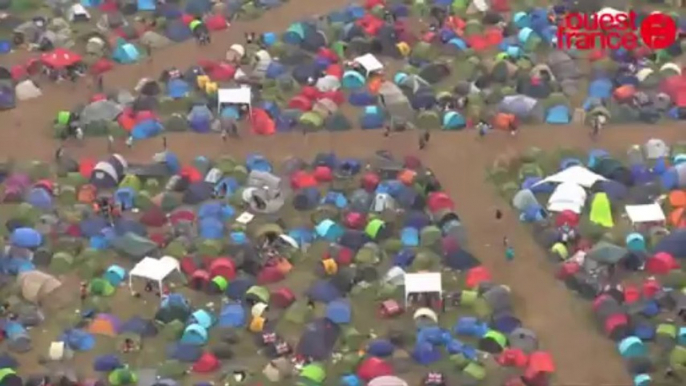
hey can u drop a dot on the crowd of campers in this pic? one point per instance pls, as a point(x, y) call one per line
point(614, 230)
point(171, 232)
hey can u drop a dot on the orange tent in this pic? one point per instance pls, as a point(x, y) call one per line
point(677, 218)
point(677, 199)
point(503, 121)
point(261, 123)
point(540, 365)
point(87, 194)
point(103, 325)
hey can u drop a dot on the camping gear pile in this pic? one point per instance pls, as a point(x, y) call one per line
point(605, 228)
point(244, 234)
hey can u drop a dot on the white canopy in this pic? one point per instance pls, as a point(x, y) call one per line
point(567, 196)
point(645, 213)
point(578, 175)
point(431, 282)
point(154, 269)
point(369, 62)
point(237, 95)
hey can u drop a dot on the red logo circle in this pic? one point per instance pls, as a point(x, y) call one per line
point(658, 31)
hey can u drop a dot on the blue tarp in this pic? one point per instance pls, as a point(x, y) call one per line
point(26, 238)
point(186, 353)
point(139, 326)
point(146, 129)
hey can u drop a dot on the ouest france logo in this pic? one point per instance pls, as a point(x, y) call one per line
point(613, 31)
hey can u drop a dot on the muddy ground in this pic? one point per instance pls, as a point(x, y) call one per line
point(460, 160)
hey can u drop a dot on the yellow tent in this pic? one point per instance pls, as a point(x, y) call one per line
point(601, 211)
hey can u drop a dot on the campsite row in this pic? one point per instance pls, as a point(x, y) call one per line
point(606, 231)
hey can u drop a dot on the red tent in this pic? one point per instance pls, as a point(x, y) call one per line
point(18, 72)
point(269, 275)
point(187, 19)
point(541, 365)
point(98, 98)
point(310, 92)
point(373, 367)
point(182, 215)
point(60, 58)
point(189, 265)
point(661, 263)
point(300, 102)
point(154, 217)
point(477, 275)
point(207, 363)
point(355, 220)
point(335, 70)
point(223, 267)
point(86, 166)
point(109, 6)
point(513, 357)
point(567, 217)
point(199, 279)
point(302, 179)
point(101, 66)
point(370, 181)
point(323, 174)
point(222, 72)
point(262, 124)
point(336, 96)
point(191, 173)
point(328, 54)
point(216, 23)
point(477, 42)
point(282, 297)
point(438, 201)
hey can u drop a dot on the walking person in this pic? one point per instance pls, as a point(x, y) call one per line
point(387, 130)
point(129, 142)
point(422, 141)
point(148, 51)
point(164, 143)
point(99, 84)
point(513, 128)
point(78, 133)
point(509, 251)
point(498, 214)
point(224, 134)
point(110, 144)
point(59, 153)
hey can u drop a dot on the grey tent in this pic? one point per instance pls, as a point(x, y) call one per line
point(499, 298)
point(27, 90)
point(523, 339)
point(524, 199)
point(361, 201)
point(154, 40)
point(111, 20)
point(28, 32)
point(607, 253)
point(521, 106)
point(434, 72)
point(104, 110)
point(413, 83)
point(563, 66)
point(123, 97)
point(134, 246)
point(199, 112)
point(395, 101)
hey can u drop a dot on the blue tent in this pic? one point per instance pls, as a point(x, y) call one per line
point(177, 31)
point(453, 120)
point(178, 88)
point(217, 210)
point(91, 3)
point(239, 286)
point(146, 129)
point(203, 318)
point(460, 260)
point(78, 340)
point(674, 244)
point(92, 226)
point(372, 118)
point(147, 5)
point(232, 315)
point(295, 34)
point(211, 228)
point(425, 353)
point(423, 99)
point(558, 115)
point(195, 335)
point(182, 352)
point(303, 72)
point(380, 348)
point(336, 199)
point(409, 237)
point(39, 198)
point(329, 230)
point(115, 275)
point(352, 80)
point(198, 8)
point(8, 99)
point(139, 326)
point(323, 291)
point(26, 238)
point(169, 11)
point(301, 235)
point(258, 162)
point(125, 53)
point(124, 197)
point(275, 70)
point(227, 186)
point(600, 88)
point(361, 98)
point(339, 311)
point(318, 340)
point(107, 363)
point(175, 300)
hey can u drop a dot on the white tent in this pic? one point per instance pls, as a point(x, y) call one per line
point(426, 282)
point(369, 62)
point(237, 95)
point(578, 175)
point(649, 213)
point(567, 196)
point(77, 12)
point(154, 269)
point(27, 90)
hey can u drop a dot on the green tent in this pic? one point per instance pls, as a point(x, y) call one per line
point(225, 164)
point(473, 27)
point(176, 123)
point(167, 201)
point(101, 287)
point(131, 181)
point(240, 173)
point(373, 228)
point(67, 195)
point(529, 170)
point(134, 246)
point(311, 121)
point(337, 122)
point(429, 236)
point(220, 283)
point(314, 372)
point(207, 247)
point(172, 331)
point(475, 371)
point(143, 200)
point(176, 248)
point(428, 119)
point(123, 376)
point(298, 313)
point(6, 372)
point(61, 262)
point(423, 51)
point(258, 294)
